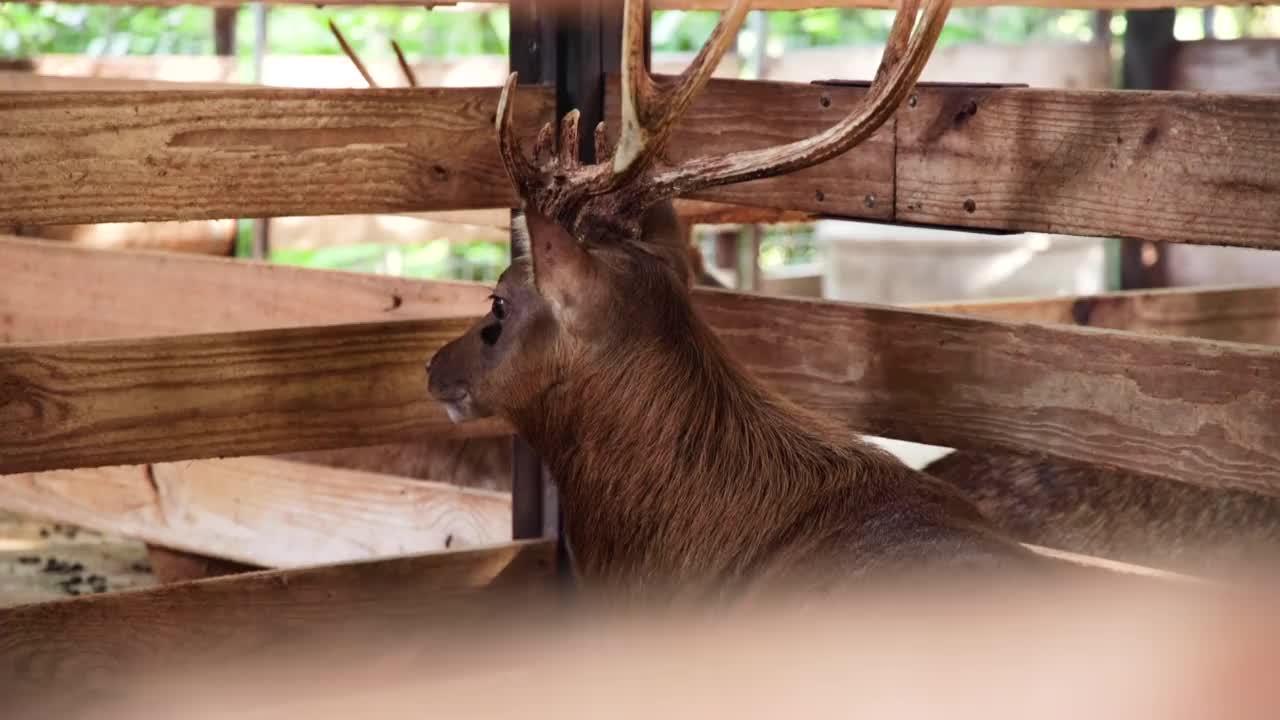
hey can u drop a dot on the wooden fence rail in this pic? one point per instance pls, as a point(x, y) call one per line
point(68, 658)
point(265, 512)
point(1181, 167)
point(1202, 411)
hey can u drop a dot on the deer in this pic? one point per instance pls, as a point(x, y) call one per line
point(1135, 518)
point(679, 472)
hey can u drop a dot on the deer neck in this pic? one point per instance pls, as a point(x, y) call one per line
point(668, 455)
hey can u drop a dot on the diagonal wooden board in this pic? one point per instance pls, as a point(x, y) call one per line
point(265, 512)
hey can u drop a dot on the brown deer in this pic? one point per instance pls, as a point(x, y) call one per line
point(1130, 517)
point(676, 467)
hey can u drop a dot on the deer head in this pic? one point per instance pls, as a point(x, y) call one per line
point(589, 287)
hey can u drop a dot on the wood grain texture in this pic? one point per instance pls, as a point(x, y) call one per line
point(70, 656)
point(1196, 410)
point(119, 402)
point(1236, 314)
point(1243, 65)
point(85, 157)
point(1179, 167)
point(264, 512)
point(56, 292)
point(732, 115)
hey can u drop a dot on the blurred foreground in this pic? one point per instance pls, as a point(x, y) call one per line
point(1135, 649)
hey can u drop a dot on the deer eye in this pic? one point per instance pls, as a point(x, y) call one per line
point(499, 307)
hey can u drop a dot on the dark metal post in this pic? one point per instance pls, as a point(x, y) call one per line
point(224, 30)
point(570, 45)
point(1148, 51)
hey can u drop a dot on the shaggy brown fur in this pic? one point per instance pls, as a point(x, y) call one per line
point(676, 468)
point(1124, 516)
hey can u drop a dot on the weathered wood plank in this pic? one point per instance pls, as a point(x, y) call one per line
point(1244, 314)
point(1099, 397)
point(140, 294)
point(1181, 167)
point(269, 513)
point(1081, 162)
point(1248, 65)
point(735, 115)
point(71, 656)
point(215, 395)
point(1197, 410)
point(56, 292)
point(84, 157)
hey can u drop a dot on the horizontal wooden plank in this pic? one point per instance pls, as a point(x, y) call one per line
point(1245, 65)
point(1197, 410)
point(135, 401)
point(263, 512)
point(734, 115)
point(55, 292)
point(84, 157)
point(58, 293)
point(64, 658)
point(1130, 164)
point(1179, 167)
point(1234, 314)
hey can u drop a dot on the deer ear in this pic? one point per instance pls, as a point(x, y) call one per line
point(560, 263)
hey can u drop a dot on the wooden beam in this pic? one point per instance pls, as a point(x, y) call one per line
point(1012, 159)
point(187, 397)
point(85, 157)
point(263, 512)
point(1104, 163)
point(1236, 314)
point(1197, 410)
point(1178, 167)
point(1200, 411)
point(63, 658)
point(132, 294)
point(1243, 65)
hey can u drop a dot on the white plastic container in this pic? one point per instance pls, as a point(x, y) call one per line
point(894, 264)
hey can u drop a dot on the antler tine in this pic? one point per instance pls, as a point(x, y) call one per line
point(649, 113)
point(569, 152)
point(522, 172)
point(604, 153)
point(544, 146)
point(897, 75)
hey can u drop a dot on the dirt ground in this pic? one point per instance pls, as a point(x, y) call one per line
point(42, 561)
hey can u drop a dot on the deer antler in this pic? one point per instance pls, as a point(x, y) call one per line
point(616, 190)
